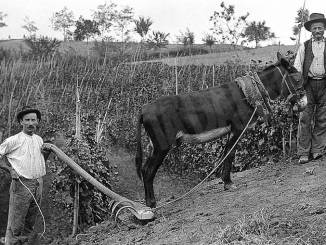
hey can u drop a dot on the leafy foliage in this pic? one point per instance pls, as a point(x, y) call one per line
point(2, 17)
point(30, 26)
point(300, 19)
point(85, 29)
point(158, 40)
point(62, 21)
point(105, 16)
point(209, 40)
point(42, 46)
point(7, 54)
point(123, 21)
point(184, 51)
point(142, 26)
point(92, 158)
point(227, 27)
point(187, 38)
point(258, 31)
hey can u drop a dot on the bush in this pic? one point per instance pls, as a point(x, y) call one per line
point(93, 159)
point(184, 51)
point(6, 54)
point(42, 46)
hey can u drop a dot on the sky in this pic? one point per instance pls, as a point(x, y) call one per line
point(169, 16)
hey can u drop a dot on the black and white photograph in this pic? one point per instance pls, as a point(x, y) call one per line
point(138, 122)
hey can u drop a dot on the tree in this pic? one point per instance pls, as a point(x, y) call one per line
point(123, 20)
point(142, 26)
point(2, 17)
point(29, 26)
point(258, 31)
point(85, 29)
point(209, 40)
point(62, 21)
point(226, 26)
point(300, 19)
point(187, 38)
point(158, 40)
point(105, 16)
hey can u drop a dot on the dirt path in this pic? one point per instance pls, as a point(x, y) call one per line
point(280, 203)
point(166, 185)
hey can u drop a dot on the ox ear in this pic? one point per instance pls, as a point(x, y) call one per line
point(279, 56)
point(283, 61)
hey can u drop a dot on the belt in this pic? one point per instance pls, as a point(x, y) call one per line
point(39, 180)
point(316, 78)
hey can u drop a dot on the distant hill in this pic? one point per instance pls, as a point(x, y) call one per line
point(217, 54)
point(14, 44)
point(262, 55)
point(83, 48)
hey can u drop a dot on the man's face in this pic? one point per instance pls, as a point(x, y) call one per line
point(29, 123)
point(317, 30)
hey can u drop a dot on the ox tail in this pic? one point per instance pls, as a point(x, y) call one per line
point(139, 150)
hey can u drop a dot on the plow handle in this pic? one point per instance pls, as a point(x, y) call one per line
point(141, 211)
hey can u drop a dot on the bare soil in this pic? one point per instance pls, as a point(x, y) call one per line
point(279, 203)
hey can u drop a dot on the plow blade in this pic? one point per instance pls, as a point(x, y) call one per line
point(140, 211)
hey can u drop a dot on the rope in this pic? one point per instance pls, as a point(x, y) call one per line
point(214, 169)
point(284, 80)
point(38, 206)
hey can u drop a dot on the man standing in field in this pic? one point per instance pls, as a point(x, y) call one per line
point(311, 61)
point(26, 155)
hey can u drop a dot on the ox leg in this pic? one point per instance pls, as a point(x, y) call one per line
point(227, 165)
point(148, 172)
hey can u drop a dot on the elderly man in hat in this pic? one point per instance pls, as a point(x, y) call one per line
point(311, 61)
point(26, 154)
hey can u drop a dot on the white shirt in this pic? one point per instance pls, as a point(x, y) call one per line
point(317, 69)
point(24, 154)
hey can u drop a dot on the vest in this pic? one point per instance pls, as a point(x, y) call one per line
point(308, 57)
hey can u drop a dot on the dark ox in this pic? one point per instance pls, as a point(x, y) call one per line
point(202, 116)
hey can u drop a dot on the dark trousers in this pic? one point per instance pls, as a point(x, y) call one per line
point(22, 211)
point(312, 121)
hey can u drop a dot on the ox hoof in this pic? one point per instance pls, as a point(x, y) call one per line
point(230, 187)
point(151, 204)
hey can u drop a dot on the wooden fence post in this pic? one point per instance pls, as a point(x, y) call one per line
point(78, 136)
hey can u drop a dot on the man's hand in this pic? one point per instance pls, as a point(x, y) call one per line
point(46, 147)
point(46, 150)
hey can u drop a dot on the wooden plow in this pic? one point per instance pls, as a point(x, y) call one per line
point(118, 202)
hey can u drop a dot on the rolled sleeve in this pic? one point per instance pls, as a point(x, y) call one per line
point(4, 148)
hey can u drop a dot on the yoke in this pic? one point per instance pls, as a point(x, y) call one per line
point(256, 94)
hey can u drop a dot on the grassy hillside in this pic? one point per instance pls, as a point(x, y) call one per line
point(14, 44)
point(218, 53)
point(264, 54)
